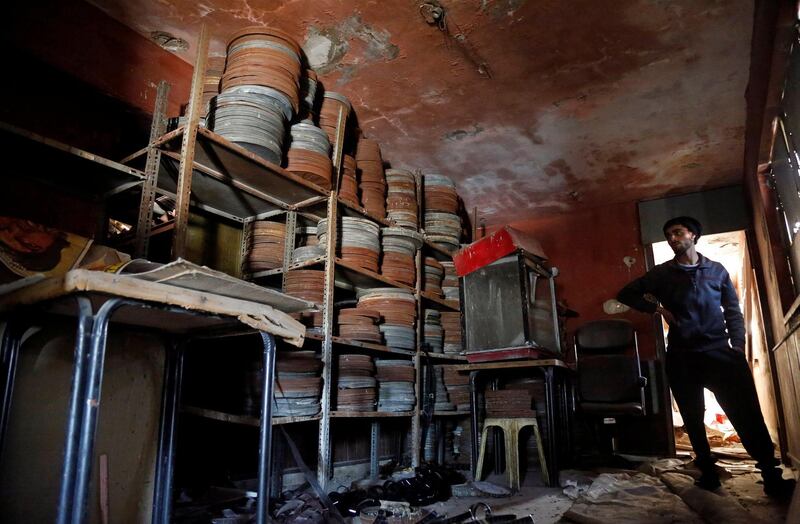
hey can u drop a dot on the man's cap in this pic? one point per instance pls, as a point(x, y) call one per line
point(689, 223)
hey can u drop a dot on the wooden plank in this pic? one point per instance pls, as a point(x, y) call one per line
point(256, 316)
point(787, 360)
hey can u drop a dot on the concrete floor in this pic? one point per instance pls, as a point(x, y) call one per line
point(547, 505)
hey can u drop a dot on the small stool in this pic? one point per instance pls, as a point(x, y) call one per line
point(511, 428)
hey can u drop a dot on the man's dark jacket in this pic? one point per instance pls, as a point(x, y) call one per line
point(693, 295)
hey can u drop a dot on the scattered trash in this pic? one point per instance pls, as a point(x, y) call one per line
point(491, 490)
point(629, 497)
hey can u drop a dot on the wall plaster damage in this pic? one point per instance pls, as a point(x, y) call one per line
point(597, 102)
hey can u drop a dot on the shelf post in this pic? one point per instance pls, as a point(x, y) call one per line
point(374, 449)
point(158, 127)
point(416, 433)
point(288, 243)
point(338, 148)
point(325, 462)
point(188, 143)
point(416, 426)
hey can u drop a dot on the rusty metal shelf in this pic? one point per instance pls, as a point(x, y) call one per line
point(359, 277)
point(449, 304)
point(371, 414)
point(452, 413)
point(438, 252)
point(300, 265)
point(229, 180)
point(340, 341)
point(78, 172)
point(244, 420)
point(444, 356)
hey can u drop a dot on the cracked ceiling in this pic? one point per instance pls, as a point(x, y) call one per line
point(533, 107)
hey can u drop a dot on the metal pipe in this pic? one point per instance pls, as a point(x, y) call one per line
point(265, 440)
point(473, 400)
point(167, 434)
point(91, 405)
point(75, 409)
point(12, 335)
point(552, 452)
point(278, 465)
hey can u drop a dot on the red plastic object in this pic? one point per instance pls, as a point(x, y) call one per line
point(494, 247)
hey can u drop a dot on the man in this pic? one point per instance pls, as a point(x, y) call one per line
point(706, 341)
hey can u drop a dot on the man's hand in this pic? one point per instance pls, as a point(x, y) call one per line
point(667, 316)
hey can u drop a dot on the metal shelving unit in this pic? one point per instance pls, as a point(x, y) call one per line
point(203, 170)
point(244, 420)
point(452, 413)
point(80, 172)
point(371, 414)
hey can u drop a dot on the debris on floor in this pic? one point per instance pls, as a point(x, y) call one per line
point(629, 497)
point(716, 506)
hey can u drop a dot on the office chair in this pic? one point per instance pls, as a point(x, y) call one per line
point(610, 381)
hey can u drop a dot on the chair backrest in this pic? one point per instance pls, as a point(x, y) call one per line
point(605, 336)
point(605, 372)
point(609, 378)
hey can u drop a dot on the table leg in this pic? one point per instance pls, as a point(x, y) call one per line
point(278, 464)
point(473, 418)
point(552, 445)
point(91, 405)
point(569, 412)
point(83, 340)
point(497, 437)
point(440, 441)
point(167, 434)
point(9, 356)
point(265, 441)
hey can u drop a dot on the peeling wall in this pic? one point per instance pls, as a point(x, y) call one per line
point(76, 37)
point(532, 107)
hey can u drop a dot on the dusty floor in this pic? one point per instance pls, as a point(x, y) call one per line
point(549, 505)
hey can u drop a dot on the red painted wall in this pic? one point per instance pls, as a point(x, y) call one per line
point(81, 40)
point(588, 247)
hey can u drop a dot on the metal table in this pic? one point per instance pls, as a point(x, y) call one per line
point(558, 401)
point(93, 298)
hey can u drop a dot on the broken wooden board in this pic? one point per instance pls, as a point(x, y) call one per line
point(219, 313)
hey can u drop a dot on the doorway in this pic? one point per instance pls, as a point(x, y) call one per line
point(730, 249)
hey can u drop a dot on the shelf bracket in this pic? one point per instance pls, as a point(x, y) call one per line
point(188, 143)
point(158, 127)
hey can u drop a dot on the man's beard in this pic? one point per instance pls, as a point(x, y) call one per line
point(680, 249)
